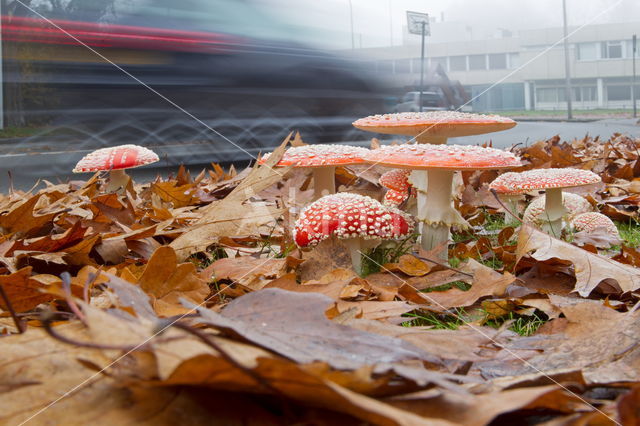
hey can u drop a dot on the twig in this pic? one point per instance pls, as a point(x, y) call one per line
point(66, 287)
point(19, 324)
point(495, 194)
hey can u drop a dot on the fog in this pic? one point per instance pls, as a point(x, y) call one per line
point(379, 22)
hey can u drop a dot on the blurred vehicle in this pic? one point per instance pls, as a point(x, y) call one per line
point(224, 61)
point(431, 101)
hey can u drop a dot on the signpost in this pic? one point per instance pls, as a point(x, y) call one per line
point(418, 23)
point(633, 81)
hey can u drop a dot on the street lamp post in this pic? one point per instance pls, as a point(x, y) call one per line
point(418, 23)
point(633, 81)
point(567, 81)
point(353, 40)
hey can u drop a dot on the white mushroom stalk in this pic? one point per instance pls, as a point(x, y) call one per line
point(434, 169)
point(117, 181)
point(324, 181)
point(554, 211)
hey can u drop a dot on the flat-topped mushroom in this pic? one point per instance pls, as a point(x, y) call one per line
point(552, 181)
point(440, 163)
point(116, 160)
point(323, 159)
point(359, 221)
point(397, 181)
point(434, 126)
point(573, 203)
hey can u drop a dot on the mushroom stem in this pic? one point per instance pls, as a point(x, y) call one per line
point(434, 140)
point(118, 180)
point(324, 181)
point(439, 214)
point(357, 247)
point(554, 211)
point(511, 202)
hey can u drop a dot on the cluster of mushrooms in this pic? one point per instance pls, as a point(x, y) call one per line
point(419, 185)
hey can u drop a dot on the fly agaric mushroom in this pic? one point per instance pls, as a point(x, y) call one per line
point(440, 163)
point(359, 221)
point(574, 203)
point(552, 181)
point(591, 222)
point(323, 159)
point(115, 160)
point(397, 183)
point(434, 126)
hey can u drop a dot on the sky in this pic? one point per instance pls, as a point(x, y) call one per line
point(372, 26)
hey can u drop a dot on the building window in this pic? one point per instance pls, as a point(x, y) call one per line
point(403, 66)
point(477, 62)
point(440, 60)
point(618, 93)
point(612, 49)
point(587, 51)
point(497, 61)
point(458, 63)
point(547, 94)
point(514, 60)
point(585, 93)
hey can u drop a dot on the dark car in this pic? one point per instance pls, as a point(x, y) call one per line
point(153, 71)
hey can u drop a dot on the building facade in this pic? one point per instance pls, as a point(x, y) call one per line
point(523, 70)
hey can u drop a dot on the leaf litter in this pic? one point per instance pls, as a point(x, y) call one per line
point(185, 301)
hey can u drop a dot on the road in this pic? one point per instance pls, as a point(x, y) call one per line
point(28, 163)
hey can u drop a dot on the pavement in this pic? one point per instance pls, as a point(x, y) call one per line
point(29, 162)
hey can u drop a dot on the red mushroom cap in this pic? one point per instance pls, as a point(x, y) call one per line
point(434, 123)
point(452, 157)
point(518, 183)
point(320, 156)
point(394, 198)
point(397, 179)
point(116, 157)
point(349, 216)
point(589, 222)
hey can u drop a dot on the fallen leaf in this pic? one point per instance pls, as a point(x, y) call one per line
point(294, 325)
point(590, 269)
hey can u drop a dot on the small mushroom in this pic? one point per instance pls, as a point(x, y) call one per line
point(552, 181)
point(573, 203)
point(399, 188)
point(592, 221)
point(322, 159)
point(359, 221)
point(440, 162)
point(116, 160)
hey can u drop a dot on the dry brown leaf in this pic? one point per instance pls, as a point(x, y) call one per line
point(590, 269)
point(251, 272)
point(23, 219)
point(413, 266)
point(25, 291)
point(295, 326)
point(177, 195)
point(231, 216)
point(486, 282)
point(326, 257)
point(167, 281)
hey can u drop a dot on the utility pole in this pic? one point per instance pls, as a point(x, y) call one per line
point(353, 39)
point(390, 24)
point(418, 23)
point(567, 69)
point(1, 72)
point(424, 24)
point(633, 81)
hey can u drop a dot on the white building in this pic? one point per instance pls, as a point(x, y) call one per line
point(523, 70)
